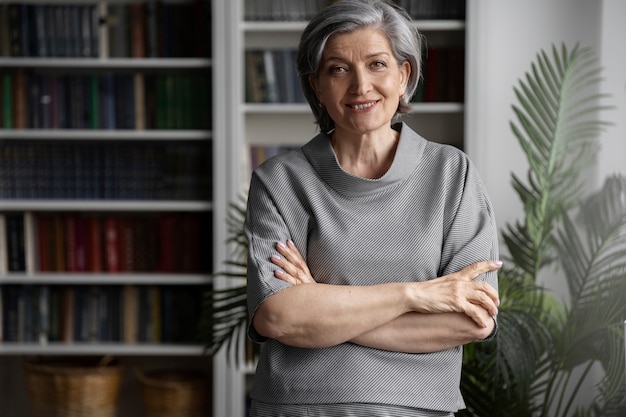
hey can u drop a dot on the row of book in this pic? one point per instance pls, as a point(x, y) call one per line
point(282, 10)
point(434, 9)
point(443, 77)
point(302, 10)
point(149, 28)
point(108, 100)
point(271, 76)
point(105, 243)
point(111, 170)
point(116, 313)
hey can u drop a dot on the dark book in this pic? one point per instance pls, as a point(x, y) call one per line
point(15, 242)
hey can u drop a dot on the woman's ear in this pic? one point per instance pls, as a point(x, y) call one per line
point(405, 73)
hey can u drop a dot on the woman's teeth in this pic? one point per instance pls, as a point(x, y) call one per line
point(363, 106)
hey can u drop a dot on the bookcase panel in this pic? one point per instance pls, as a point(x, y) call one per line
point(74, 98)
point(88, 29)
point(106, 183)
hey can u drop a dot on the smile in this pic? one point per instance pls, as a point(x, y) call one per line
point(363, 106)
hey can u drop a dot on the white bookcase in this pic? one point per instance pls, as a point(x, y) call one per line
point(189, 141)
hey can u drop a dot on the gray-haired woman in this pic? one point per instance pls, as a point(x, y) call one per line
point(373, 253)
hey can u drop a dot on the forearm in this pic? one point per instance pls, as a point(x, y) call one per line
point(424, 333)
point(320, 315)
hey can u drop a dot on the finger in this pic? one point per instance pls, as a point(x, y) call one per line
point(292, 254)
point(280, 274)
point(480, 316)
point(295, 274)
point(487, 298)
point(285, 265)
point(296, 265)
point(472, 271)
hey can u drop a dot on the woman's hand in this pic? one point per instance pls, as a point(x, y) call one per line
point(458, 292)
point(293, 267)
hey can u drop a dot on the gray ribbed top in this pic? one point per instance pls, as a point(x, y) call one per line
point(429, 215)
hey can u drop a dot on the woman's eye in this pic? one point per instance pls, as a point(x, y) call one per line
point(337, 70)
point(378, 64)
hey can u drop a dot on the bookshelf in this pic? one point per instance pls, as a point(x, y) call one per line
point(264, 123)
point(107, 186)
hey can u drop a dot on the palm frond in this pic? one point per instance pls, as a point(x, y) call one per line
point(555, 120)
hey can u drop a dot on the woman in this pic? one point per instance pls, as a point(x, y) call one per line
point(359, 287)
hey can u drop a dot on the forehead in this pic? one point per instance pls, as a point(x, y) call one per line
point(366, 40)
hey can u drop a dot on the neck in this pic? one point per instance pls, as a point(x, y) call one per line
point(367, 156)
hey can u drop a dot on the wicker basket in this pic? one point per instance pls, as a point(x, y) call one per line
point(73, 387)
point(175, 393)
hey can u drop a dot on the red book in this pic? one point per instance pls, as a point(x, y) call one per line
point(126, 245)
point(94, 244)
point(167, 223)
point(111, 238)
point(59, 263)
point(43, 243)
point(19, 99)
point(191, 237)
point(138, 30)
point(70, 243)
point(432, 75)
point(80, 243)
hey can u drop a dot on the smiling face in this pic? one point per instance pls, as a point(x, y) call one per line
point(360, 82)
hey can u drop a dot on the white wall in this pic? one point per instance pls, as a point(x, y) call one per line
point(613, 33)
point(506, 36)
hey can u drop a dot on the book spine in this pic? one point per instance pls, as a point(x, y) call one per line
point(4, 264)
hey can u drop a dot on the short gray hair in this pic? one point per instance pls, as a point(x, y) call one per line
point(346, 16)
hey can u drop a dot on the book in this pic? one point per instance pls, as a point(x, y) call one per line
point(111, 239)
point(118, 31)
point(15, 242)
point(7, 100)
point(43, 322)
point(94, 243)
point(31, 240)
point(126, 244)
point(130, 316)
point(138, 30)
point(140, 101)
point(20, 91)
point(69, 221)
point(58, 260)
point(4, 265)
point(5, 36)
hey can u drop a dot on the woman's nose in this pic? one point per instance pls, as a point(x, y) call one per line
point(361, 82)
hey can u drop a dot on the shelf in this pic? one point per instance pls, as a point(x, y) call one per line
point(284, 26)
point(106, 63)
point(300, 108)
point(282, 108)
point(437, 107)
point(105, 205)
point(100, 134)
point(112, 278)
point(112, 348)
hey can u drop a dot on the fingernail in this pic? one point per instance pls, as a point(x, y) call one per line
point(485, 325)
point(276, 257)
point(499, 263)
point(281, 244)
point(279, 272)
point(290, 243)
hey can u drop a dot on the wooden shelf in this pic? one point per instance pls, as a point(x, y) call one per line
point(100, 348)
